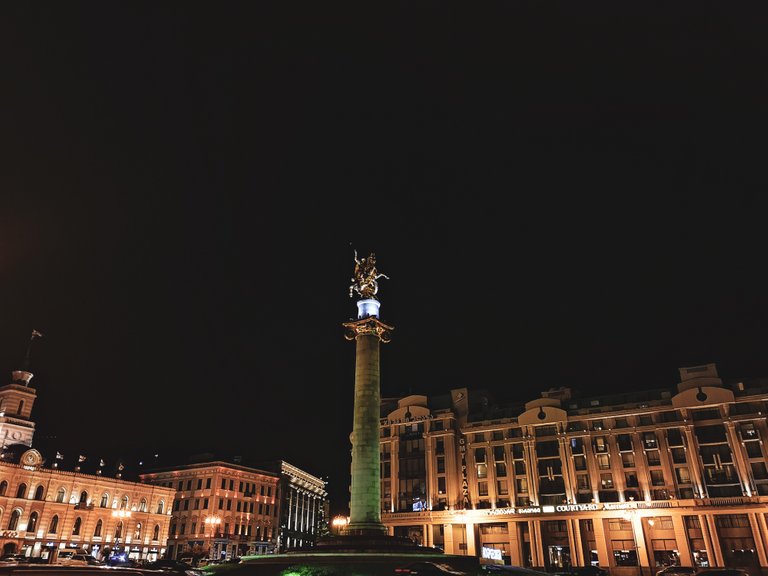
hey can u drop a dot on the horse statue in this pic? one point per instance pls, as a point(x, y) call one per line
point(365, 278)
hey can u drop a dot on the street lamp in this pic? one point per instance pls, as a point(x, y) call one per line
point(213, 523)
point(339, 523)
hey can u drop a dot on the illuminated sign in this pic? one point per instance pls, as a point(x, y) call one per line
point(549, 509)
point(411, 419)
point(464, 483)
point(491, 553)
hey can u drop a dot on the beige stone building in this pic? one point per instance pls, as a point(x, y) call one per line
point(220, 510)
point(44, 509)
point(630, 482)
point(223, 510)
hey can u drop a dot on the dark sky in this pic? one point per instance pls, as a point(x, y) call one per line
point(561, 195)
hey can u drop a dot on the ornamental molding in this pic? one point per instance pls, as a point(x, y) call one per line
point(368, 327)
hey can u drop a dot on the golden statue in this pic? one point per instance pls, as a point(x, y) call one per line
point(364, 280)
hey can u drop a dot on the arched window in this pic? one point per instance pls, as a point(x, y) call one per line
point(3, 487)
point(21, 406)
point(137, 531)
point(60, 495)
point(143, 505)
point(14, 520)
point(124, 503)
point(83, 497)
point(97, 531)
point(156, 532)
point(2, 405)
point(160, 506)
point(119, 529)
point(39, 492)
point(54, 525)
point(21, 492)
point(32, 524)
point(76, 528)
point(104, 500)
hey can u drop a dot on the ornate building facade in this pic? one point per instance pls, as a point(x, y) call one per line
point(224, 510)
point(220, 510)
point(628, 481)
point(44, 509)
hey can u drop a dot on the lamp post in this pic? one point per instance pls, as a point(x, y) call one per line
point(338, 524)
point(213, 523)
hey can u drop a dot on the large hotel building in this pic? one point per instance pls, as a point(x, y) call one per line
point(629, 482)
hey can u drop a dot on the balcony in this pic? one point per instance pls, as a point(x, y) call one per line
point(83, 506)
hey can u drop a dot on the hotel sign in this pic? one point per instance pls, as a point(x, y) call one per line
point(387, 422)
point(547, 509)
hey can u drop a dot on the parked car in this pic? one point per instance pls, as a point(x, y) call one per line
point(13, 559)
point(677, 571)
point(78, 559)
point(722, 572)
point(427, 568)
point(512, 570)
point(582, 571)
point(176, 567)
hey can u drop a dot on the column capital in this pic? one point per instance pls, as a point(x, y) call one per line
point(368, 327)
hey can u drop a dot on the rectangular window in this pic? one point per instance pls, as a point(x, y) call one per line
point(683, 477)
point(603, 462)
point(199, 483)
point(193, 528)
point(221, 503)
point(678, 455)
point(482, 470)
point(606, 480)
point(437, 425)
point(580, 462)
point(600, 444)
point(753, 449)
point(189, 484)
point(501, 470)
point(497, 435)
point(229, 504)
point(231, 484)
point(582, 481)
point(521, 484)
point(197, 503)
point(182, 529)
point(657, 477)
point(482, 488)
point(223, 484)
point(440, 446)
point(266, 509)
point(654, 458)
point(180, 486)
point(479, 455)
point(441, 484)
point(186, 504)
point(261, 508)
point(207, 483)
point(630, 479)
point(480, 437)
point(440, 464)
point(628, 459)
point(205, 504)
point(501, 488)
point(269, 490)
point(239, 506)
point(619, 524)
point(240, 487)
point(674, 437)
point(649, 440)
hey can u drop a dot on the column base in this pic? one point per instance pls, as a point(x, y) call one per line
point(365, 529)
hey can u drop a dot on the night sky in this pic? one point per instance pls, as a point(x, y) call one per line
point(561, 195)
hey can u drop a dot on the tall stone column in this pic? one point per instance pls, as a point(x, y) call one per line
point(365, 491)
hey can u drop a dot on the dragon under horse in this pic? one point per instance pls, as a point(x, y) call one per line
point(365, 279)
